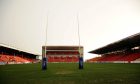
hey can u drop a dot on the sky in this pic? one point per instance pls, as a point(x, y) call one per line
point(23, 23)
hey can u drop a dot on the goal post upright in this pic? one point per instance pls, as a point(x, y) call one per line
point(44, 48)
point(80, 50)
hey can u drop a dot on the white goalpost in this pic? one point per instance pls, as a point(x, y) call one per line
point(44, 49)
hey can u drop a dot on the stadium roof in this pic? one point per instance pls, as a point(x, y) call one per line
point(4, 46)
point(62, 47)
point(126, 43)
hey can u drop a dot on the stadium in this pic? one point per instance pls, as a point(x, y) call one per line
point(69, 42)
point(62, 53)
point(11, 55)
point(126, 50)
point(62, 65)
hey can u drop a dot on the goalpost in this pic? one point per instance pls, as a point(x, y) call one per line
point(45, 58)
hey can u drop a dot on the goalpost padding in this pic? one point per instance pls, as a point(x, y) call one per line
point(81, 63)
point(44, 63)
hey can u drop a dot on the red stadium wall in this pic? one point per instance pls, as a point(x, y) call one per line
point(62, 56)
point(62, 59)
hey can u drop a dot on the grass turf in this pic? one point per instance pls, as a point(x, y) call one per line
point(68, 73)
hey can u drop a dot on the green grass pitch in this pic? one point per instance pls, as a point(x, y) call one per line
point(68, 73)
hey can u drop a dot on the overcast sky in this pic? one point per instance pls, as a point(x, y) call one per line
point(23, 22)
